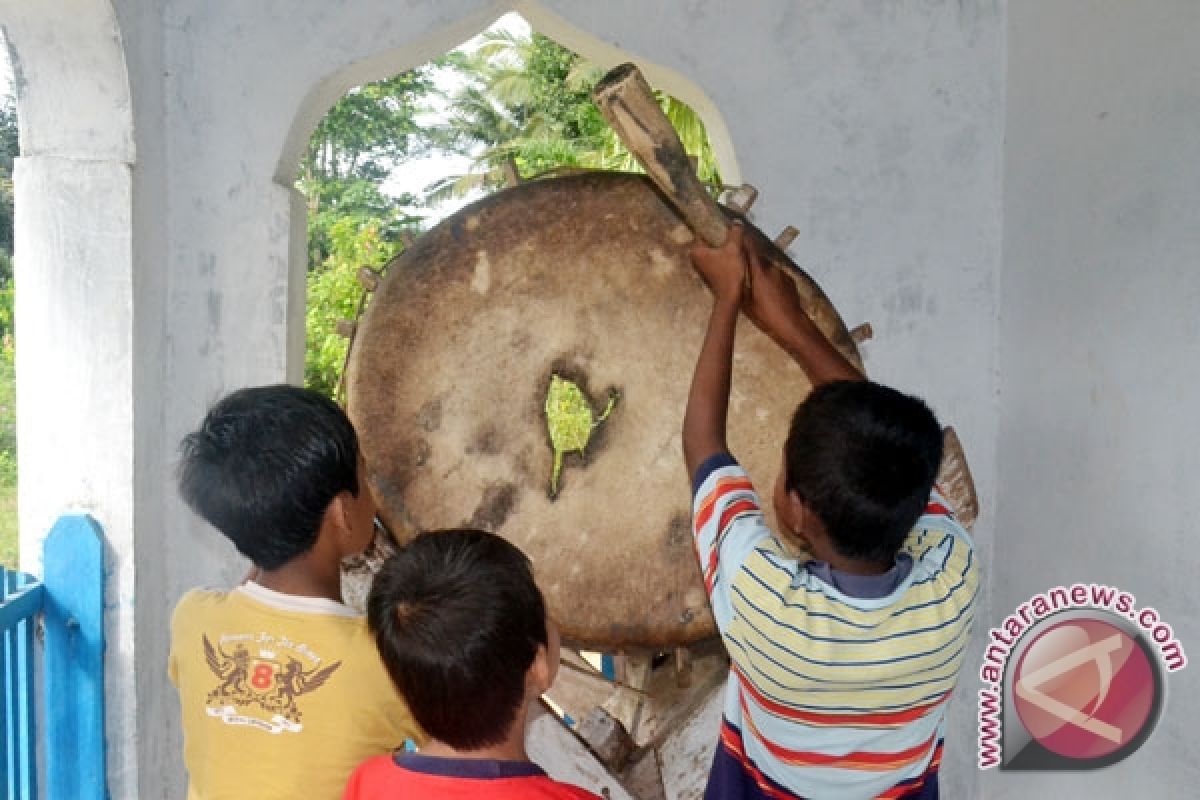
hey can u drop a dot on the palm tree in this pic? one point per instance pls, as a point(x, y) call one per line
point(527, 101)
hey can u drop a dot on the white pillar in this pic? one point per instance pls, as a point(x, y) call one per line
point(74, 323)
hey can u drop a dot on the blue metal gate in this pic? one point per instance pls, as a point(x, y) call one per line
point(68, 604)
point(22, 602)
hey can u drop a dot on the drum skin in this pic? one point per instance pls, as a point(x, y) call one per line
point(585, 277)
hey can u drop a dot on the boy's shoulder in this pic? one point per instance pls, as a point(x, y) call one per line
point(204, 595)
point(389, 775)
point(251, 600)
point(938, 541)
point(937, 562)
point(200, 601)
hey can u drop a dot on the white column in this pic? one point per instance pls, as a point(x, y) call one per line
point(75, 420)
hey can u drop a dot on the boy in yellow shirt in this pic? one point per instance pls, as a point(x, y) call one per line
point(282, 690)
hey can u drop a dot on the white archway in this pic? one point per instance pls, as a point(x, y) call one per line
point(321, 97)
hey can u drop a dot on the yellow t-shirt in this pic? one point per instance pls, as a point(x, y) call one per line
point(282, 696)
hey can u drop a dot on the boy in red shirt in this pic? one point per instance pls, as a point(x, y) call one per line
point(463, 632)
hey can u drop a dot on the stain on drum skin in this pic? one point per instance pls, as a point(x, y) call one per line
point(587, 275)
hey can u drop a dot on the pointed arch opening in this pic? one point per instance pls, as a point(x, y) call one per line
point(386, 147)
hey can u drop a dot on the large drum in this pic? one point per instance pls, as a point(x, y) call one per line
point(524, 367)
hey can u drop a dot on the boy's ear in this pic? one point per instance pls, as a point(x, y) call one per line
point(800, 520)
point(795, 512)
point(338, 516)
point(346, 509)
point(542, 671)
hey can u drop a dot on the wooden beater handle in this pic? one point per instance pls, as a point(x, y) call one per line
point(625, 100)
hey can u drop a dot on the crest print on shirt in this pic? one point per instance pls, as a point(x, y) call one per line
point(260, 677)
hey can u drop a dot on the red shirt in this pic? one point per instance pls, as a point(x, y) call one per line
point(414, 777)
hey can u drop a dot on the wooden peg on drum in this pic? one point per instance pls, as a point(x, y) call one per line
point(742, 198)
point(786, 236)
point(862, 333)
point(368, 278)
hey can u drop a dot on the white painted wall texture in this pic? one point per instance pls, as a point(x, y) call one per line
point(1099, 443)
point(877, 127)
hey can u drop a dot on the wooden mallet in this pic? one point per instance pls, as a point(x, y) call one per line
point(625, 100)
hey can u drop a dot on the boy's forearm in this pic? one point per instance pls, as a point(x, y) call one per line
point(704, 422)
point(822, 363)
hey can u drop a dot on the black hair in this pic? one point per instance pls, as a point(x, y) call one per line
point(863, 458)
point(264, 466)
point(458, 621)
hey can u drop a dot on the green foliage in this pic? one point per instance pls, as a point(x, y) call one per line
point(369, 128)
point(351, 153)
point(8, 526)
point(6, 229)
point(516, 105)
point(528, 100)
point(358, 200)
point(8, 437)
point(6, 284)
point(8, 402)
point(9, 150)
point(333, 293)
point(351, 222)
point(8, 413)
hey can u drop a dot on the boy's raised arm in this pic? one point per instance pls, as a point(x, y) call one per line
point(774, 306)
point(724, 270)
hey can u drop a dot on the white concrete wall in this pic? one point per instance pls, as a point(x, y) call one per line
point(1099, 442)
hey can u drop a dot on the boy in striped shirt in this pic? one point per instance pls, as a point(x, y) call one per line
point(841, 661)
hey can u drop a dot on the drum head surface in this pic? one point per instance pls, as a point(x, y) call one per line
point(587, 278)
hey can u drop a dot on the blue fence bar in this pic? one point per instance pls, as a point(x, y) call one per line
point(21, 599)
point(74, 659)
point(71, 602)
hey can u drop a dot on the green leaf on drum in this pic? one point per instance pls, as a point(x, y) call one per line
point(570, 421)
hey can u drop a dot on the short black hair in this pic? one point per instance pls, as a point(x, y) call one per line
point(863, 458)
point(458, 621)
point(265, 464)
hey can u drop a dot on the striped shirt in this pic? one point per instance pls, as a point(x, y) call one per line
point(830, 695)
